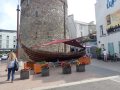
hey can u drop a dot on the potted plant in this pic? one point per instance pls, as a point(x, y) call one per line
point(45, 70)
point(80, 66)
point(24, 74)
point(98, 53)
point(66, 67)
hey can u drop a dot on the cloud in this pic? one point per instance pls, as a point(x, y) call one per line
point(83, 10)
point(8, 14)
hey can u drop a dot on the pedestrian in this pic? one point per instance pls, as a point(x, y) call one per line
point(105, 55)
point(10, 66)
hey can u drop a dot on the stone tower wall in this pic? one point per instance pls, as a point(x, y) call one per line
point(43, 21)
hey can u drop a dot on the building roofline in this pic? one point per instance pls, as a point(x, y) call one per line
point(80, 22)
point(11, 31)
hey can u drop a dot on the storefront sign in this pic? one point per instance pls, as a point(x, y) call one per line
point(113, 22)
point(110, 3)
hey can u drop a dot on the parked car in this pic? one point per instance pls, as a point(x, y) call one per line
point(4, 57)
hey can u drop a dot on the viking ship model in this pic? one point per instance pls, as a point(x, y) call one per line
point(40, 55)
point(45, 21)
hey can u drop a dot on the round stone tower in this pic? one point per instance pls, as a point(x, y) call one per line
point(43, 21)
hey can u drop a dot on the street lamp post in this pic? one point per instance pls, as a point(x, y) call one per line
point(17, 46)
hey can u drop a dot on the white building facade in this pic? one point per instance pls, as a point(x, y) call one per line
point(8, 40)
point(108, 25)
point(79, 29)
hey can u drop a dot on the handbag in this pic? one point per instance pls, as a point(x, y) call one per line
point(16, 65)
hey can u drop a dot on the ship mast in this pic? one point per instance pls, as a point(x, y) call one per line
point(64, 24)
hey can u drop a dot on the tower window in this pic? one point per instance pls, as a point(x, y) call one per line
point(36, 13)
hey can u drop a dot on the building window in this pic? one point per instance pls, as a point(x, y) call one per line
point(119, 46)
point(108, 19)
point(0, 43)
point(36, 13)
point(7, 42)
point(14, 39)
point(7, 45)
point(101, 30)
point(7, 37)
point(14, 46)
point(0, 37)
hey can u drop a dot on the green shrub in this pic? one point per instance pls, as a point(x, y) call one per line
point(98, 51)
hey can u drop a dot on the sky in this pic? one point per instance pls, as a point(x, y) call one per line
point(83, 10)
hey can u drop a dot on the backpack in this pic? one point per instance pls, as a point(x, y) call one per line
point(16, 65)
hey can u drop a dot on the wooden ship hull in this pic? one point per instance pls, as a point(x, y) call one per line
point(39, 55)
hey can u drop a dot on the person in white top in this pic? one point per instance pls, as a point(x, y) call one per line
point(105, 55)
point(10, 66)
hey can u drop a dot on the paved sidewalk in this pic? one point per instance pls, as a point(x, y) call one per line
point(115, 66)
point(56, 77)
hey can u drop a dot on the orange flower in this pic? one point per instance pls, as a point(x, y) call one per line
point(45, 66)
point(65, 64)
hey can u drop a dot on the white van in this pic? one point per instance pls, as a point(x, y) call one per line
point(4, 57)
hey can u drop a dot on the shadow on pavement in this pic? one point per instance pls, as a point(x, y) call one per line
point(3, 76)
point(4, 82)
point(57, 76)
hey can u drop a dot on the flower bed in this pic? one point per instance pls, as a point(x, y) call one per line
point(83, 60)
point(29, 65)
point(80, 68)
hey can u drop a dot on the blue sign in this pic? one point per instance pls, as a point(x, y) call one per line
point(110, 3)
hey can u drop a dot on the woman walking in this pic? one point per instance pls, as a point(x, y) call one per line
point(10, 66)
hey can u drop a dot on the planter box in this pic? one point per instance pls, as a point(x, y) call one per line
point(66, 70)
point(80, 68)
point(45, 72)
point(24, 74)
point(37, 68)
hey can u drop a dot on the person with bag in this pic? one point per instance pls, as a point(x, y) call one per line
point(12, 66)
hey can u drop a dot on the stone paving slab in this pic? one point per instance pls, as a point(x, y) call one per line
point(115, 66)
